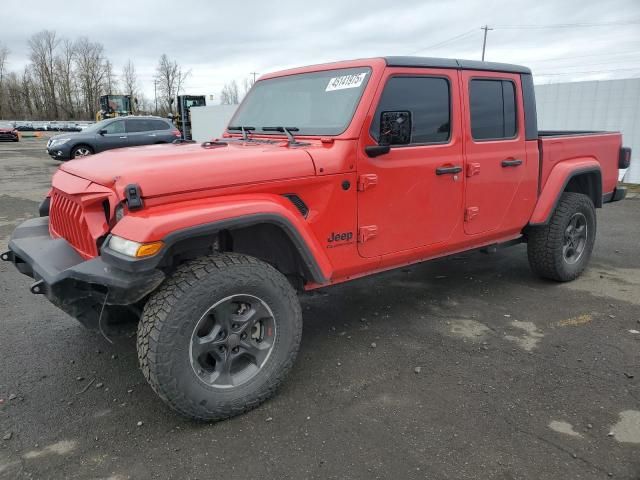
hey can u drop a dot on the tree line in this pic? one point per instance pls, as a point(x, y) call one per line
point(65, 78)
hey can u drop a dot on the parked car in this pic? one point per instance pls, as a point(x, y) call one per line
point(9, 134)
point(326, 173)
point(112, 133)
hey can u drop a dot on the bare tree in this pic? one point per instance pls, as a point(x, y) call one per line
point(170, 78)
point(4, 54)
point(247, 83)
point(130, 79)
point(111, 82)
point(92, 73)
point(42, 48)
point(66, 79)
point(229, 94)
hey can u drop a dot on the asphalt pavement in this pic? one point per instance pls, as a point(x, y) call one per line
point(468, 367)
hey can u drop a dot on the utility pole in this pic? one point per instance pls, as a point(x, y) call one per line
point(254, 75)
point(155, 95)
point(484, 41)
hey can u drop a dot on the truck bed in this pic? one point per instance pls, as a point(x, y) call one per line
point(557, 146)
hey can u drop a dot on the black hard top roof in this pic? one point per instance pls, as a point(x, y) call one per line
point(429, 62)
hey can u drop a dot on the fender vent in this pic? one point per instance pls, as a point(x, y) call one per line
point(298, 203)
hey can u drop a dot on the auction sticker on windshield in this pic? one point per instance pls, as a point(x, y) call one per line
point(346, 81)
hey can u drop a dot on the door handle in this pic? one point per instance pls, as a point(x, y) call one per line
point(512, 162)
point(152, 135)
point(123, 137)
point(448, 170)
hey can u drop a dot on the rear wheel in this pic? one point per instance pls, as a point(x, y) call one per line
point(561, 249)
point(80, 151)
point(218, 337)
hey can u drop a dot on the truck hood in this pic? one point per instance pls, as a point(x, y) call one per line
point(169, 169)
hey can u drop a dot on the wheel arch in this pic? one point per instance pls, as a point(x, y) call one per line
point(268, 237)
point(584, 177)
point(267, 227)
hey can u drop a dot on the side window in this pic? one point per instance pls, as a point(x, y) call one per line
point(115, 127)
point(493, 109)
point(158, 125)
point(428, 101)
point(136, 125)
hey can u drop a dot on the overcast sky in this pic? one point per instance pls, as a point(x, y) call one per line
point(221, 41)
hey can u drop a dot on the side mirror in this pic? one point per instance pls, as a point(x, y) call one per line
point(103, 131)
point(395, 128)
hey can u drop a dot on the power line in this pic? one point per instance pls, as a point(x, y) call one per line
point(444, 42)
point(542, 74)
point(568, 25)
point(609, 54)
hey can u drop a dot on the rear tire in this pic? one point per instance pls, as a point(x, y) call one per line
point(219, 336)
point(561, 249)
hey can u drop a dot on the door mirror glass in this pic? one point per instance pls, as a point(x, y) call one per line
point(395, 128)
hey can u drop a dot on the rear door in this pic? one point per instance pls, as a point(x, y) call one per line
point(412, 196)
point(495, 150)
point(141, 131)
point(114, 136)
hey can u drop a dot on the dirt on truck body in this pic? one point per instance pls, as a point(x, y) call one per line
point(325, 174)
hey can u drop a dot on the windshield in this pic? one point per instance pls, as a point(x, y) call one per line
point(98, 125)
point(318, 103)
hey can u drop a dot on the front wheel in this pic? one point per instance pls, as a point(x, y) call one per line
point(81, 151)
point(219, 336)
point(561, 249)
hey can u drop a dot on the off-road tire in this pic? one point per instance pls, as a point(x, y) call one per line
point(172, 313)
point(545, 242)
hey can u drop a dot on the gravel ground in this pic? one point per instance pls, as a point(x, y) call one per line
point(463, 368)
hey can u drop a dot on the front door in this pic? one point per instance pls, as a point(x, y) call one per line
point(114, 136)
point(411, 196)
point(495, 151)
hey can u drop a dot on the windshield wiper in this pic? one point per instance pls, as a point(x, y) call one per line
point(286, 130)
point(244, 131)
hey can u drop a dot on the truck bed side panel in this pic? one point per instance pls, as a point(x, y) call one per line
point(603, 147)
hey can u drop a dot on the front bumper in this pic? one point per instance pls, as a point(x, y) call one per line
point(61, 152)
point(77, 286)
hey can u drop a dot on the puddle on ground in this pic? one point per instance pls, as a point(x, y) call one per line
point(619, 283)
point(529, 339)
point(563, 427)
point(60, 448)
point(469, 329)
point(627, 430)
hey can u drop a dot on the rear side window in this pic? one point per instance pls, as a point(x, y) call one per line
point(493, 109)
point(428, 100)
point(145, 125)
point(159, 125)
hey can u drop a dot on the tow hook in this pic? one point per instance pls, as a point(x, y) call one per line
point(37, 288)
point(7, 256)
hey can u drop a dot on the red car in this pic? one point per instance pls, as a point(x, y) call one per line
point(326, 173)
point(9, 134)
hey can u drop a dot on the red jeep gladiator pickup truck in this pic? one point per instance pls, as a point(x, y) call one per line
point(325, 174)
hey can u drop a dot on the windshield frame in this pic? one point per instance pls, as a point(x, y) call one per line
point(368, 80)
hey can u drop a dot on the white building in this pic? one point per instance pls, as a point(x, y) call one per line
point(210, 122)
point(595, 105)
